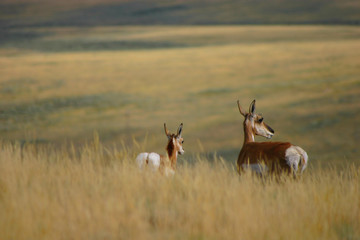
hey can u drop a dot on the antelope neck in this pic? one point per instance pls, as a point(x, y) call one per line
point(249, 135)
point(172, 153)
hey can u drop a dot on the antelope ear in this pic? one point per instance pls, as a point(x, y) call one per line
point(240, 109)
point(252, 107)
point(166, 131)
point(180, 130)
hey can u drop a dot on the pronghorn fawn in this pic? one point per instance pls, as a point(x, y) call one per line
point(166, 165)
point(271, 157)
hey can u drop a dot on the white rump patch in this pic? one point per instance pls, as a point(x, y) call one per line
point(152, 160)
point(294, 155)
point(141, 159)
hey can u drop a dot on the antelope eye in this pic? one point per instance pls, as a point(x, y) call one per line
point(182, 142)
point(260, 120)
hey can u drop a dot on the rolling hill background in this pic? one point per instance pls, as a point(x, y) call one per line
point(199, 12)
point(72, 68)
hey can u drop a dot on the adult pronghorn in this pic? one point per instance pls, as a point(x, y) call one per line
point(164, 164)
point(275, 157)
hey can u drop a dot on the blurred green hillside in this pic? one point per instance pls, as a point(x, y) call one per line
point(123, 68)
point(125, 82)
point(23, 13)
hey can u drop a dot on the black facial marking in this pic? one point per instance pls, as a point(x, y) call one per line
point(270, 129)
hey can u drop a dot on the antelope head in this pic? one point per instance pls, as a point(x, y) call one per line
point(254, 123)
point(175, 140)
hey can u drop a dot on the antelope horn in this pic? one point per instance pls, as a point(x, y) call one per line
point(240, 108)
point(252, 107)
point(180, 130)
point(166, 130)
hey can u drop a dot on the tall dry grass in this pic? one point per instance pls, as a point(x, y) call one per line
point(98, 193)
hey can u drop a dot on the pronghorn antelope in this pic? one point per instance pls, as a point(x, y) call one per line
point(275, 157)
point(164, 164)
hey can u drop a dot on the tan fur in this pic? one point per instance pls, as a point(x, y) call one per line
point(277, 156)
point(272, 154)
point(173, 148)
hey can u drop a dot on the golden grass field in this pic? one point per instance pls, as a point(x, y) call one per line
point(123, 83)
point(98, 193)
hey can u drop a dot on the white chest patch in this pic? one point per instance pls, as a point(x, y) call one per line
point(169, 172)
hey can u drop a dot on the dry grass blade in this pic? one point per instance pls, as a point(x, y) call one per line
point(48, 194)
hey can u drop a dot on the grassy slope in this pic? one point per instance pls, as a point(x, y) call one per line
point(304, 78)
point(110, 12)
